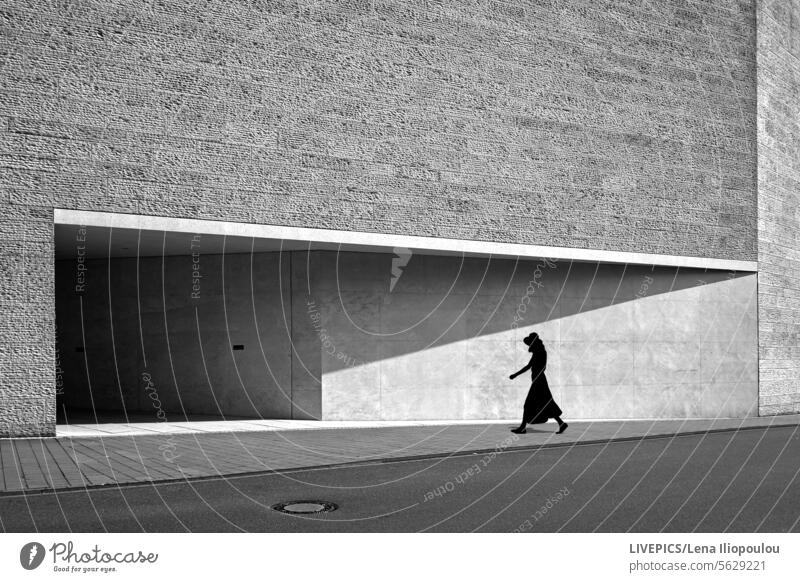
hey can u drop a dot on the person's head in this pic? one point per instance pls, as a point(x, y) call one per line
point(530, 338)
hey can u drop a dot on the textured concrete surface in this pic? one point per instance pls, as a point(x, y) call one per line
point(611, 126)
point(779, 205)
point(57, 463)
point(614, 126)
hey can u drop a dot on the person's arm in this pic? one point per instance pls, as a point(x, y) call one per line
point(523, 370)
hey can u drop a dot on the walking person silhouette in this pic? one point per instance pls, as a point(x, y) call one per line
point(539, 404)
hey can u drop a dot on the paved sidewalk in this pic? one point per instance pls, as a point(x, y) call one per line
point(29, 465)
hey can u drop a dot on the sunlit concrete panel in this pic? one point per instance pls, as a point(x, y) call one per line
point(622, 341)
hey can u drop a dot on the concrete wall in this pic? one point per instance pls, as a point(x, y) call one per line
point(27, 323)
point(779, 205)
point(623, 342)
point(162, 343)
point(562, 122)
point(355, 336)
point(611, 125)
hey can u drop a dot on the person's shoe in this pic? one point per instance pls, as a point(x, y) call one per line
point(562, 427)
point(519, 430)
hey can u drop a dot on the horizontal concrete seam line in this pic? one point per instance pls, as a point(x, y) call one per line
point(389, 460)
point(479, 247)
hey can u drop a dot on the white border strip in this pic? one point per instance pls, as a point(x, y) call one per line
point(344, 237)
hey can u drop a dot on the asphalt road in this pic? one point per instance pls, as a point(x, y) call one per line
point(743, 481)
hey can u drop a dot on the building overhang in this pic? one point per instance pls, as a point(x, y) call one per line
point(345, 240)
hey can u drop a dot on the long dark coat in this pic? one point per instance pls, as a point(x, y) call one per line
point(539, 404)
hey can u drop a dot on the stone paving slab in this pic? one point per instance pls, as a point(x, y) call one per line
point(31, 465)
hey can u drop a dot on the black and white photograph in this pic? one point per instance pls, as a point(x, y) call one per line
point(319, 268)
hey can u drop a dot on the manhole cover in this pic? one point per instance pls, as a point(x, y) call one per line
point(305, 507)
